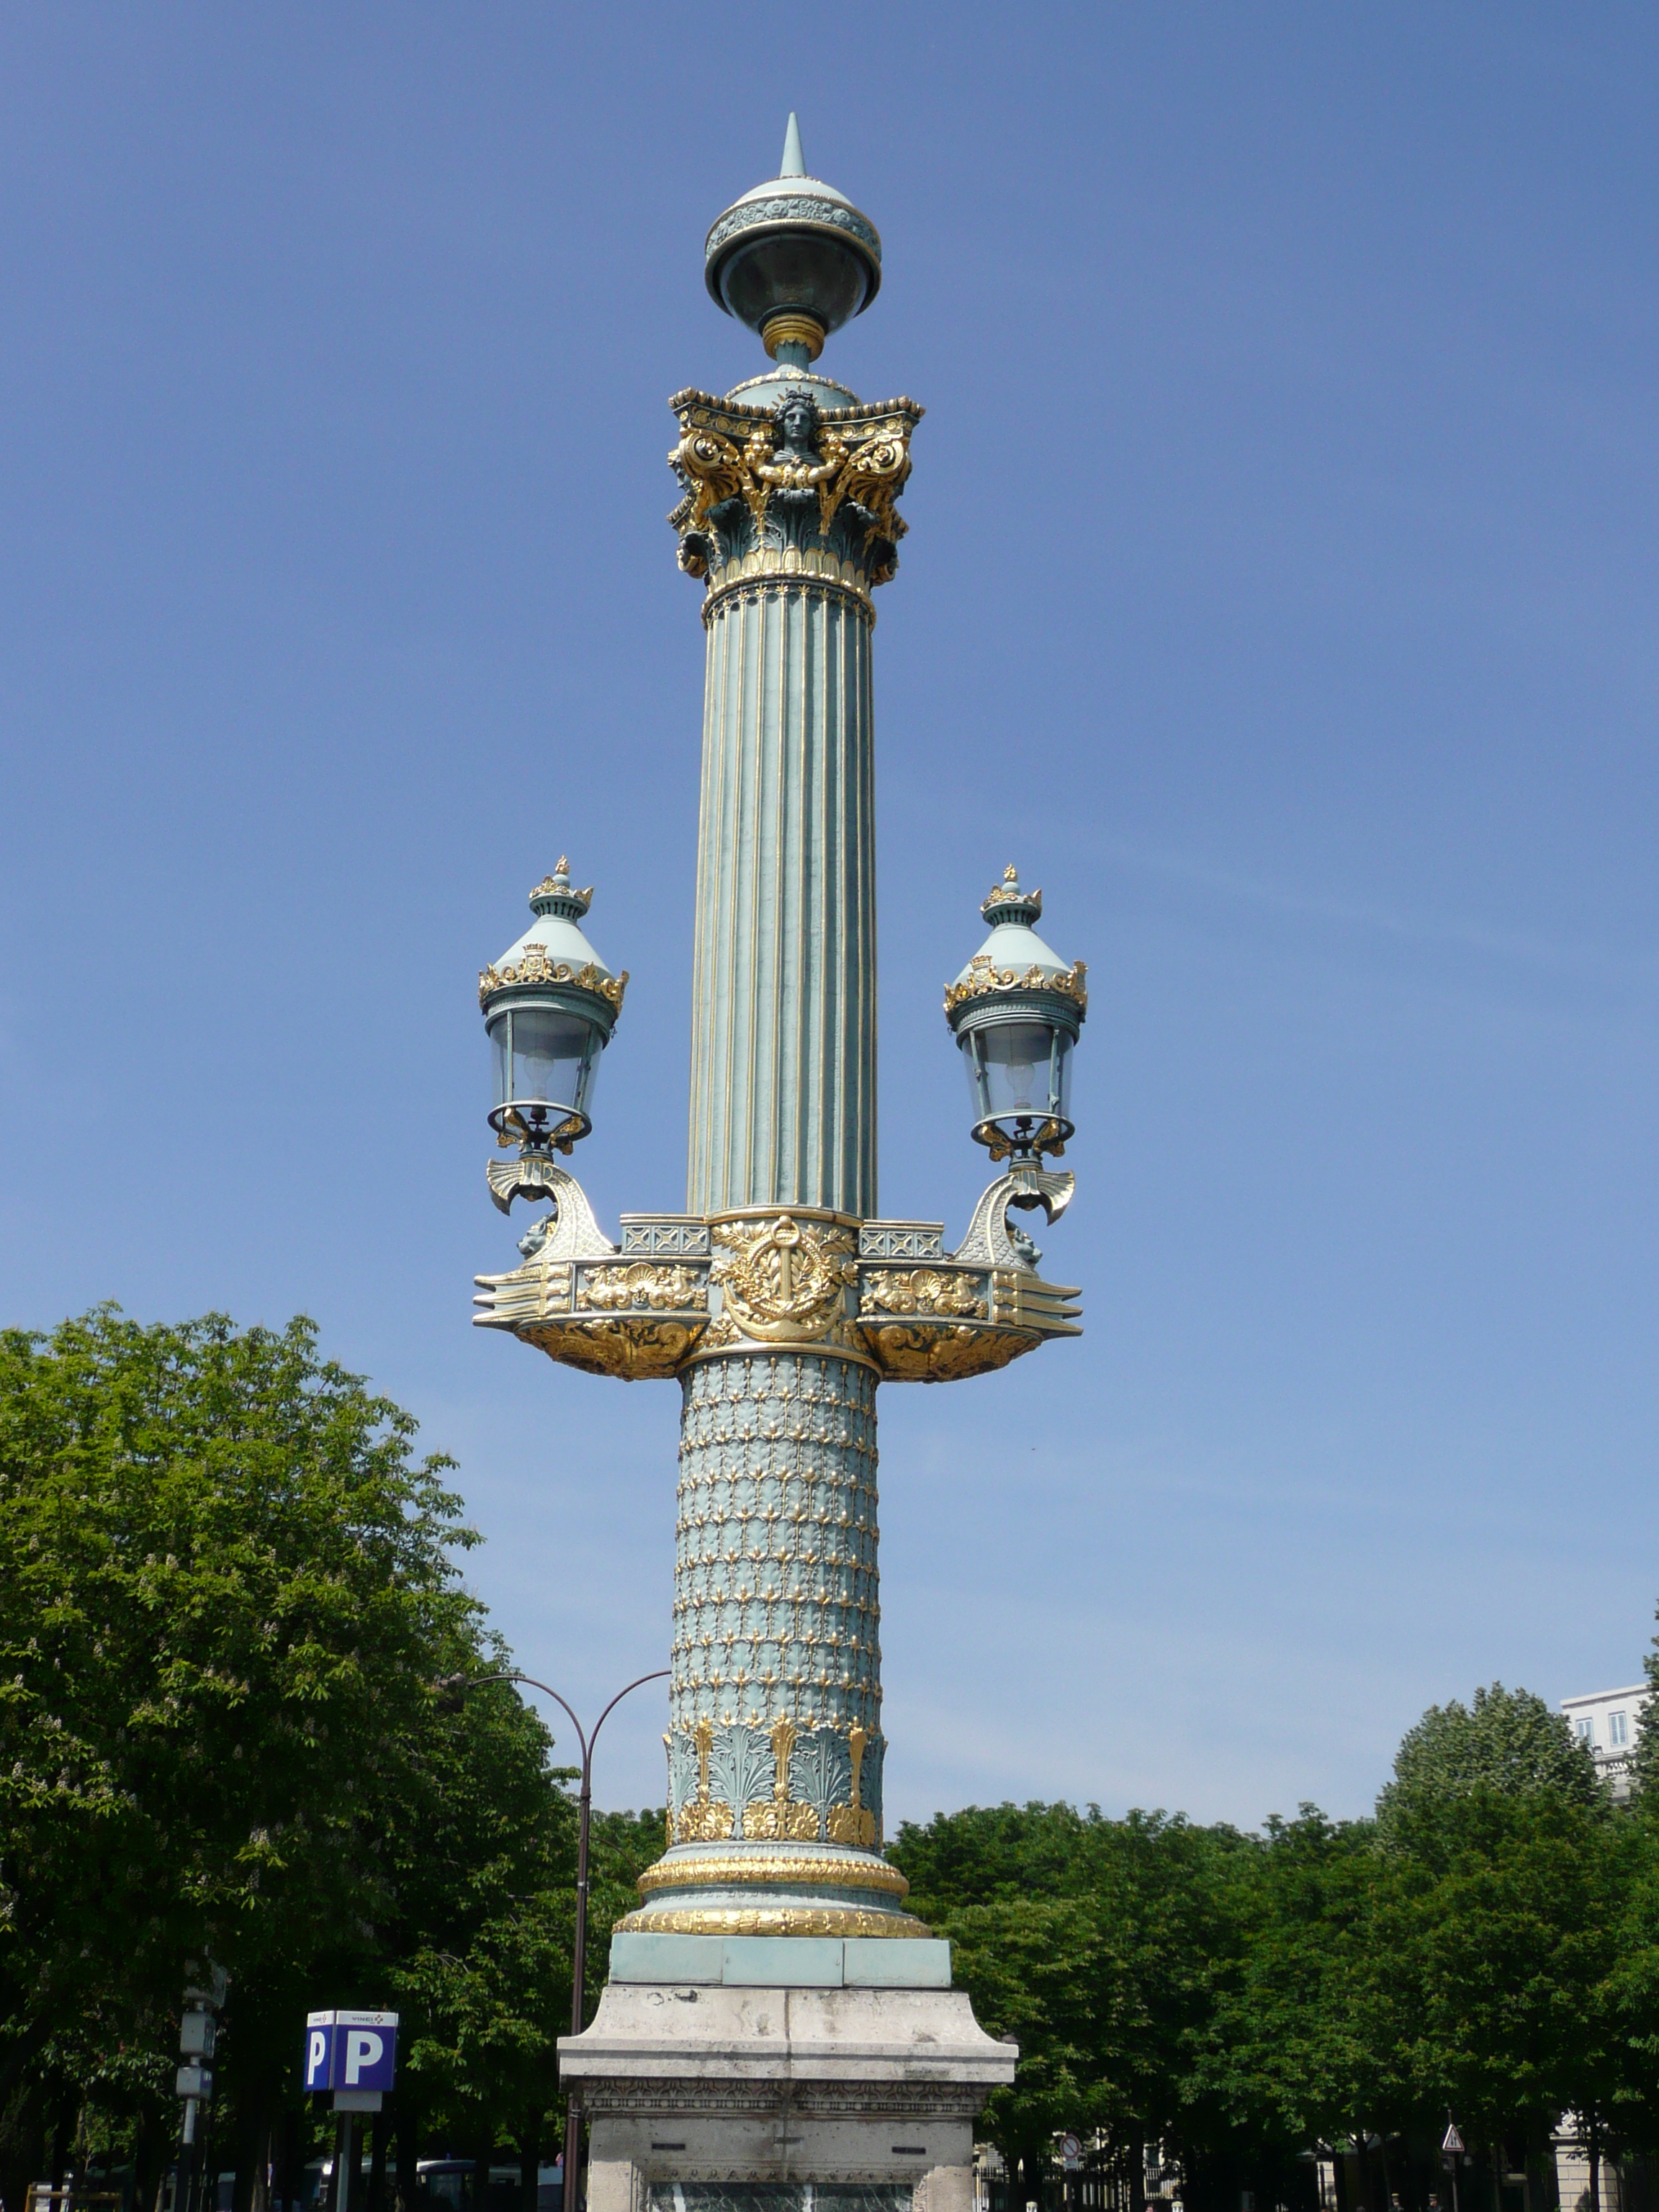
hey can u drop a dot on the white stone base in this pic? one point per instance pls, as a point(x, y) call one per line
point(710, 2084)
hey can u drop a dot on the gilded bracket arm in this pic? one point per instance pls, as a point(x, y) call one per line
point(969, 1311)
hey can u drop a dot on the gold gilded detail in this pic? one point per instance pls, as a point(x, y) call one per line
point(559, 885)
point(633, 1348)
point(704, 1822)
point(984, 977)
point(726, 451)
point(784, 1277)
point(794, 329)
point(910, 1354)
point(768, 1920)
point(641, 1286)
point(744, 1868)
point(854, 1823)
point(535, 967)
point(1008, 892)
point(921, 1291)
point(781, 1820)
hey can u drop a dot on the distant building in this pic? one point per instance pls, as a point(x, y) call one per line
point(1607, 1723)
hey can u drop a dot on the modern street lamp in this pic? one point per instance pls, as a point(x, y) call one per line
point(584, 1801)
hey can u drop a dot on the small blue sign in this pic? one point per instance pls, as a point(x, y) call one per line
point(350, 2050)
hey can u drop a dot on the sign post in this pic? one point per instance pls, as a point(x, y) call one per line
point(1451, 2150)
point(351, 2059)
point(198, 2029)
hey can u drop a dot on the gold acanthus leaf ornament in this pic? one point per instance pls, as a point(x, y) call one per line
point(984, 977)
point(535, 967)
point(865, 461)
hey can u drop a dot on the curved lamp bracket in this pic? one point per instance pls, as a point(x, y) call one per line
point(572, 1231)
point(988, 1243)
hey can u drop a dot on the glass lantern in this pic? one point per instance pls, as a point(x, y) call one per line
point(546, 1057)
point(1019, 1074)
point(1017, 1011)
point(549, 1005)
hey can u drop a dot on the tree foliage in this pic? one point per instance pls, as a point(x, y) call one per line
point(1490, 1940)
point(229, 1601)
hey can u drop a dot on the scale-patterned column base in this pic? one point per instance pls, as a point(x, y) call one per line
point(774, 1744)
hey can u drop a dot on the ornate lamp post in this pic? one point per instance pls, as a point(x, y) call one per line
point(779, 1300)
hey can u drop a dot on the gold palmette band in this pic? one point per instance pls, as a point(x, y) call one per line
point(768, 1920)
point(836, 1874)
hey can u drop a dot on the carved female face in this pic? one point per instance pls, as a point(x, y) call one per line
point(796, 419)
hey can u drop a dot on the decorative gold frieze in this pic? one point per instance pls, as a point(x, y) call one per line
point(983, 978)
point(909, 1354)
point(641, 1286)
point(768, 1920)
point(921, 1291)
point(535, 967)
point(743, 1867)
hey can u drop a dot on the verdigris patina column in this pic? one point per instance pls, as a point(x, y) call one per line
point(775, 1741)
point(751, 2034)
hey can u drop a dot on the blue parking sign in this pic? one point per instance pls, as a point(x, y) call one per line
point(350, 2050)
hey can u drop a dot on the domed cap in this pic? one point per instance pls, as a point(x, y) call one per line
point(553, 951)
point(1014, 958)
point(793, 259)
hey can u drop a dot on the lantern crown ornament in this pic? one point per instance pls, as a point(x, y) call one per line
point(550, 1004)
point(792, 258)
point(1016, 1010)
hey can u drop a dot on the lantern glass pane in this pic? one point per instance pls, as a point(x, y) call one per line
point(1023, 1071)
point(501, 1055)
point(552, 1051)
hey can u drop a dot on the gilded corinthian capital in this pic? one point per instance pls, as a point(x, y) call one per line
point(791, 488)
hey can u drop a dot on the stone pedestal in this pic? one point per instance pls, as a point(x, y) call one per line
point(767, 2074)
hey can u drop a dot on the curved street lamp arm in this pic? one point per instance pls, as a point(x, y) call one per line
point(660, 1674)
point(514, 1674)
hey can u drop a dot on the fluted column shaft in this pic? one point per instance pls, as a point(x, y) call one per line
point(775, 1743)
point(783, 1056)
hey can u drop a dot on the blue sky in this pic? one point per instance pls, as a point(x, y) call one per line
point(1279, 595)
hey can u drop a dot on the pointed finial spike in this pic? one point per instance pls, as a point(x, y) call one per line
point(563, 868)
point(794, 162)
point(1010, 874)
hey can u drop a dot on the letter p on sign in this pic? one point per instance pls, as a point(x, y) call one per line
point(364, 2051)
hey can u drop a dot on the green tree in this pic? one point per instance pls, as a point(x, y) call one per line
point(229, 1593)
point(1302, 2044)
point(1091, 1942)
point(1506, 1867)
